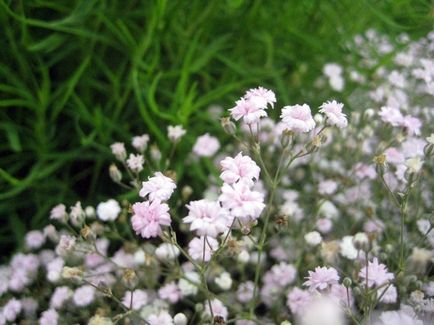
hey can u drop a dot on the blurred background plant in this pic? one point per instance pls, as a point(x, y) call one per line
point(76, 76)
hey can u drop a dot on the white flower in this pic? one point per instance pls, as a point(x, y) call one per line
point(140, 142)
point(347, 248)
point(158, 187)
point(175, 133)
point(180, 319)
point(135, 163)
point(166, 252)
point(430, 139)
point(313, 238)
point(188, 287)
point(108, 211)
point(333, 111)
point(224, 281)
point(414, 165)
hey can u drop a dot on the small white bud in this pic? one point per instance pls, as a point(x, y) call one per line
point(180, 319)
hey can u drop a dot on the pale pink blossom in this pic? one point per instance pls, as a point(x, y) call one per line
point(135, 163)
point(321, 278)
point(240, 168)
point(140, 142)
point(281, 274)
point(327, 187)
point(197, 246)
point(58, 213)
point(412, 124)
point(324, 225)
point(298, 300)
point(393, 156)
point(261, 97)
point(242, 201)
point(49, 317)
point(139, 297)
point(207, 218)
point(333, 112)
point(341, 295)
point(297, 118)
point(148, 218)
point(158, 187)
point(84, 296)
point(401, 317)
point(162, 318)
point(391, 115)
point(118, 150)
point(375, 274)
point(206, 146)
point(248, 110)
point(34, 239)
point(388, 294)
point(54, 269)
point(60, 296)
point(12, 309)
point(245, 291)
point(170, 292)
point(175, 133)
point(217, 307)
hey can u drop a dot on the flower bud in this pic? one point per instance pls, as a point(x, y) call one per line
point(198, 307)
point(186, 192)
point(129, 278)
point(361, 241)
point(228, 126)
point(347, 282)
point(87, 233)
point(115, 173)
point(180, 319)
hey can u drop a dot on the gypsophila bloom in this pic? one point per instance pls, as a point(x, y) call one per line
point(118, 150)
point(261, 97)
point(321, 278)
point(313, 238)
point(175, 133)
point(109, 210)
point(404, 317)
point(58, 213)
point(34, 239)
point(333, 111)
point(207, 218)
point(297, 118)
point(66, 244)
point(148, 218)
point(242, 202)
point(347, 248)
point(163, 318)
point(158, 187)
point(189, 285)
point(170, 292)
point(297, 300)
point(197, 245)
point(84, 296)
point(49, 317)
point(135, 163)
point(140, 142)
point(206, 146)
point(77, 215)
point(377, 274)
point(327, 187)
point(414, 165)
point(240, 168)
point(54, 269)
point(12, 309)
point(218, 309)
point(166, 252)
point(248, 110)
point(224, 281)
point(139, 299)
point(388, 294)
point(391, 115)
point(60, 296)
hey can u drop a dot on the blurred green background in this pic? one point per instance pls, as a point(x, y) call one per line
point(76, 76)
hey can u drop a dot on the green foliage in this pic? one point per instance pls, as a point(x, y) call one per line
point(75, 76)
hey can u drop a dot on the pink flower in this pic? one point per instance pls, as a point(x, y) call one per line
point(207, 218)
point(240, 168)
point(401, 317)
point(34, 239)
point(170, 292)
point(248, 111)
point(324, 225)
point(84, 296)
point(393, 156)
point(297, 300)
point(206, 146)
point(365, 171)
point(140, 299)
point(241, 201)
point(60, 296)
point(140, 142)
point(375, 274)
point(135, 163)
point(49, 317)
point(197, 245)
point(118, 150)
point(327, 187)
point(412, 124)
point(333, 111)
point(58, 213)
point(339, 294)
point(158, 187)
point(261, 97)
point(163, 318)
point(321, 278)
point(148, 218)
point(388, 294)
point(391, 115)
point(12, 309)
point(297, 118)
point(245, 291)
point(282, 274)
point(218, 309)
